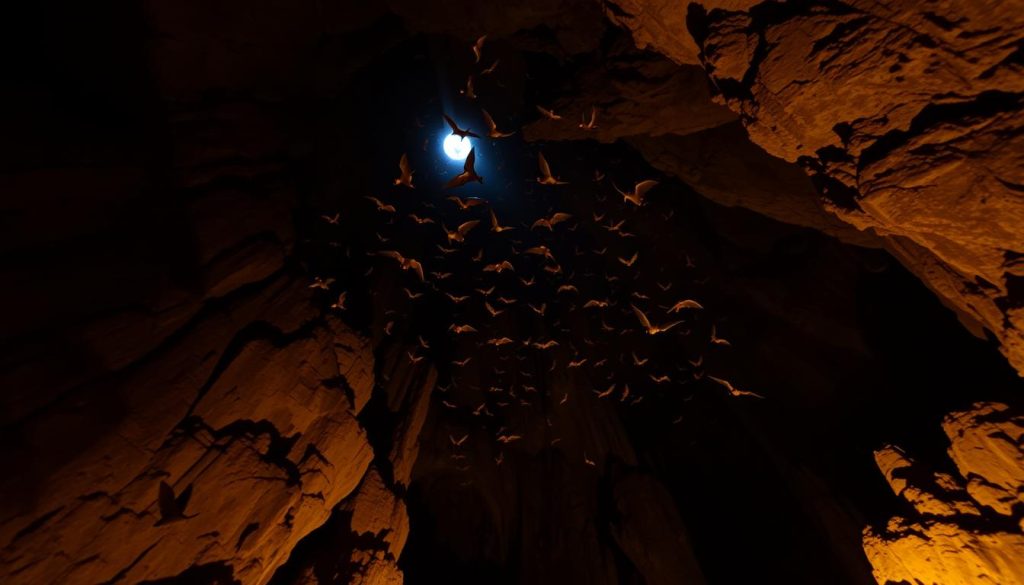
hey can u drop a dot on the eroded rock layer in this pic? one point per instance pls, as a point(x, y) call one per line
point(964, 529)
point(906, 116)
point(176, 402)
point(181, 405)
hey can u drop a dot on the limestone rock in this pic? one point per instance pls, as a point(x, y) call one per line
point(906, 115)
point(378, 511)
point(952, 540)
point(987, 449)
point(938, 552)
point(266, 446)
point(940, 500)
point(634, 93)
point(659, 25)
point(907, 127)
point(665, 111)
point(721, 164)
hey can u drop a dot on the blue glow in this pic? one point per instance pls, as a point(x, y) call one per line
point(457, 148)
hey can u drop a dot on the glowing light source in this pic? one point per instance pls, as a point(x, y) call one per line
point(457, 148)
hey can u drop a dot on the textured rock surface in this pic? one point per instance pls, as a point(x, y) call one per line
point(666, 112)
point(266, 444)
point(635, 93)
point(938, 495)
point(988, 451)
point(157, 328)
point(907, 116)
point(937, 552)
point(720, 164)
point(660, 25)
point(949, 539)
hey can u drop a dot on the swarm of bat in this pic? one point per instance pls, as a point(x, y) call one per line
point(507, 266)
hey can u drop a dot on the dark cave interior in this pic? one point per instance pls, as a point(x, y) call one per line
point(169, 174)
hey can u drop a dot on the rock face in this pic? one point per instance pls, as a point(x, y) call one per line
point(263, 439)
point(964, 529)
point(666, 112)
point(719, 163)
point(157, 328)
point(905, 115)
point(658, 25)
point(161, 335)
point(635, 93)
point(987, 450)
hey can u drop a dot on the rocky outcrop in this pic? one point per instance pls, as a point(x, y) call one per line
point(159, 334)
point(719, 163)
point(359, 544)
point(260, 437)
point(666, 112)
point(634, 93)
point(214, 373)
point(364, 537)
point(660, 25)
point(987, 451)
point(963, 529)
point(905, 115)
point(163, 348)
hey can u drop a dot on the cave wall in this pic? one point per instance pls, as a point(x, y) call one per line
point(157, 325)
point(907, 119)
point(158, 174)
point(960, 528)
point(905, 115)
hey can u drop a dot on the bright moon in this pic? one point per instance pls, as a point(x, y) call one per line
point(457, 148)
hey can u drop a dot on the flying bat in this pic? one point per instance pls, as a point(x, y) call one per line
point(405, 178)
point(652, 329)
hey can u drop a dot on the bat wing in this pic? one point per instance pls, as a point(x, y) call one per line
point(455, 127)
point(489, 121)
point(391, 254)
point(418, 268)
point(643, 318)
point(643, 187)
point(559, 217)
point(464, 228)
point(545, 170)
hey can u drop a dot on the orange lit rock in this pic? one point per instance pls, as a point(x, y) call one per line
point(900, 473)
point(665, 112)
point(937, 552)
point(634, 94)
point(951, 541)
point(657, 24)
point(377, 510)
point(987, 449)
point(266, 445)
point(905, 125)
point(720, 163)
